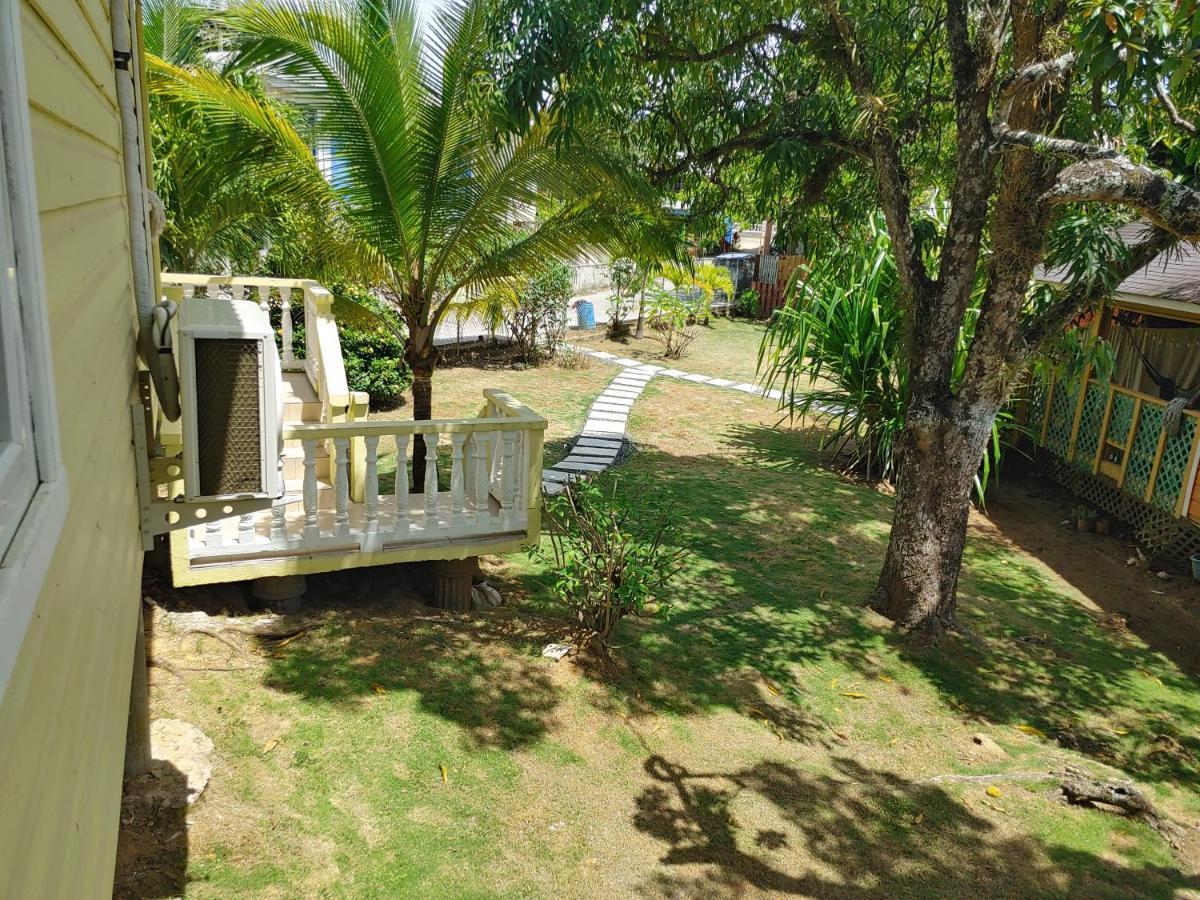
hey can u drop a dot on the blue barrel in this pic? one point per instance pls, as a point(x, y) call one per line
point(586, 313)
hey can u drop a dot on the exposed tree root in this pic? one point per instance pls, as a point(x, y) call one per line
point(999, 778)
point(1080, 788)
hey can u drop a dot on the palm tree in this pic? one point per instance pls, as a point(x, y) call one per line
point(425, 186)
point(228, 194)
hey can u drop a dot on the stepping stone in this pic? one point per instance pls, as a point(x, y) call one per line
point(552, 488)
point(697, 378)
point(551, 475)
point(774, 395)
point(595, 427)
point(631, 378)
point(610, 415)
point(672, 373)
point(599, 443)
point(747, 388)
point(597, 453)
point(570, 465)
point(626, 362)
point(622, 408)
point(721, 382)
point(600, 354)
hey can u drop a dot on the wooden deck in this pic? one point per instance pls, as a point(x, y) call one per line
point(333, 514)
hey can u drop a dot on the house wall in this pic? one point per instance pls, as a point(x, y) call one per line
point(62, 722)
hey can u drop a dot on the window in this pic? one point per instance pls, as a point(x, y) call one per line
point(33, 497)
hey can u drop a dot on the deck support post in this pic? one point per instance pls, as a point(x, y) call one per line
point(452, 580)
point(282, 592)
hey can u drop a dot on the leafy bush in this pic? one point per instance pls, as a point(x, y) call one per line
point(673, 316)
point(624, 274)
point(372, 348)
point(610, 556)
point(537, 320)
point(747, 304)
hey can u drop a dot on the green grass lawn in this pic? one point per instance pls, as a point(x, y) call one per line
point(770, 737)
point(725, 348)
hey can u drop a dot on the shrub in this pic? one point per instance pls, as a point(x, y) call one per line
point(372, 346)
point(537, 320)
point(747, 304)
point(611, 556)
point(673, 317)
point(623, 274)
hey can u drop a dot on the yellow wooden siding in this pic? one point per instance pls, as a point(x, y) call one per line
point(62, 723)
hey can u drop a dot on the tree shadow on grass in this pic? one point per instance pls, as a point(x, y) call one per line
point(785, 555)
point(481, 671)
point(854, 833)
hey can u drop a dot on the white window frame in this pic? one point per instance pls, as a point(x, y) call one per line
point(37, 515)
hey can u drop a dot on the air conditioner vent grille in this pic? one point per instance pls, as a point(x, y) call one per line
point(228, 418)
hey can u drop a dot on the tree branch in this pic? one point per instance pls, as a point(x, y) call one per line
point(1171, 206)
point(1075, 298)
point(667, 52)
point(1165, 99)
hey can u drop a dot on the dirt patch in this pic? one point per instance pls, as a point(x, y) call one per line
point(1028, 513)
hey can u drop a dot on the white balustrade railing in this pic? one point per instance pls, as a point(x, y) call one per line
point(322, 361)
point(492, 488)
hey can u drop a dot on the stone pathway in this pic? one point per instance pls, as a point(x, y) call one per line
point(604, 432)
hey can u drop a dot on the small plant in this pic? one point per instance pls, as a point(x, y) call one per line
point(611, 556)
point(674, 318)
point(747, 304)
point(623, 275)
point(1085, 517)
point(537, 319)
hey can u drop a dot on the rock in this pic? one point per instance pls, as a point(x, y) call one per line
point(988, 746)
point(1164, 576)
point(484, 596)
point(1132, 561)
point(186, 748)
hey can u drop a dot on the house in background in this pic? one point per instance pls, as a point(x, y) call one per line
point(138, 407)
point(1131, 446)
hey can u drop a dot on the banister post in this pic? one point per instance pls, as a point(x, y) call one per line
point(357, 412)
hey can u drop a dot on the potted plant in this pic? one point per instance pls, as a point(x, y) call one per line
point(1103, 525)
point(1085, 517)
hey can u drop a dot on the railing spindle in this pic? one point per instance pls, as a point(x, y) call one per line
point(479, 455)
point(264, 299)
point(401, 486)
point(457, 479)
point(508, 476)
point(311, 531)
point(246, 528)
point(341, 519)
point(285, 324)
point(214, 536)
point(431, 478)
point(371, 487)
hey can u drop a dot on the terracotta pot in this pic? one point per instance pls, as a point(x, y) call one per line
point(1084, 524)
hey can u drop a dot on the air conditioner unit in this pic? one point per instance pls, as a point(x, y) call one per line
point(231, 394)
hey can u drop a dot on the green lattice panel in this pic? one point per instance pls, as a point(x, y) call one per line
point(1172, 471)
point(1036, 406)
point(1089, 426)
point(1062, 417)
point(1141, 454)
point(1121, 418)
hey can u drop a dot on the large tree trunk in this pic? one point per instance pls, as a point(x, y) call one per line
point(940, 457)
